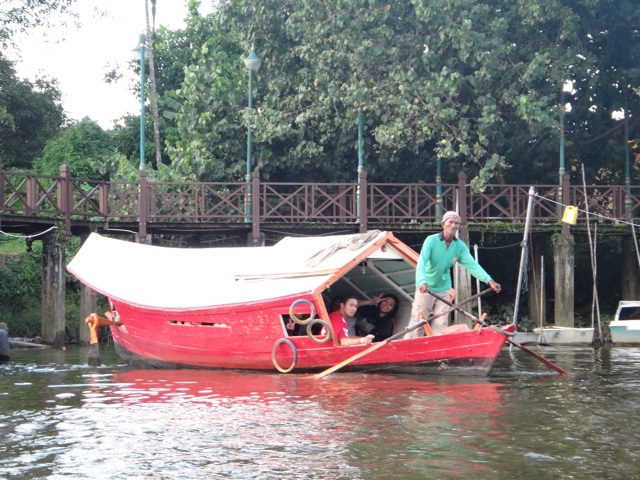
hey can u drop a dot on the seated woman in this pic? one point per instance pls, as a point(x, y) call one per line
point(376, 316)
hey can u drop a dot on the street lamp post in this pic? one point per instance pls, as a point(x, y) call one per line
point(627, 167)
point(566, 87)
point(252, 62)
point(141, 48)
point(360, 161)
point(439, 209)
point(143, 199)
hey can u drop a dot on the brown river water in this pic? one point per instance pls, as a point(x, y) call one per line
point(63, 419)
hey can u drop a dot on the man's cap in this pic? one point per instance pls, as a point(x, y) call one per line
point(449, 215)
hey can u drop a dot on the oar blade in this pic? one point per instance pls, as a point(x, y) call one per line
point(349, 360)
point(549, 364)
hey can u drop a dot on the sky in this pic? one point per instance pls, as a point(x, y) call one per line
point(79, 56)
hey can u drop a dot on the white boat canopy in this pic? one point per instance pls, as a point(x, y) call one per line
point(193, 278)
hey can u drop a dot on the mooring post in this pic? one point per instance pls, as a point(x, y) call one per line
point(53, 290)
point(88, 304)
point(564, 262)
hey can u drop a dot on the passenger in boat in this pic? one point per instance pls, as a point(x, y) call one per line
point(348, 308)
point(376, 316)
point(433, 273)
point(351, 321)
point(293, 329)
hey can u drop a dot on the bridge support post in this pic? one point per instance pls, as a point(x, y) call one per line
point(53, 290)
point(564, 262)
point(65, 202)
point(88, 305)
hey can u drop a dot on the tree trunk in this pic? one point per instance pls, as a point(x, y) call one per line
point(152, 75)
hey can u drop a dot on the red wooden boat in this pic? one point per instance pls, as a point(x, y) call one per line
point(227, 307)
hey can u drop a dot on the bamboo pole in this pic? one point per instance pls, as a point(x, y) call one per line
point(523, 255)
point(592, 251)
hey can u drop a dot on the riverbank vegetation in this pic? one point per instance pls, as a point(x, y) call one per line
point(21, 290)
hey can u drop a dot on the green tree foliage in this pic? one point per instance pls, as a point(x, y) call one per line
point(21, 15)
point(172, 55)
point(473, 84)
point(30, 115)
point(21, 290)
point(85, 147)
point(25, 14)
point(209, 143)
point(126, 138)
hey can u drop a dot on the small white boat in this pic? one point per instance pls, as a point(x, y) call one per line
point(625, 327)
point(556, 336)
point(566, 335)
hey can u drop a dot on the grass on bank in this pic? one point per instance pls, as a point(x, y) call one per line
point(10, 245)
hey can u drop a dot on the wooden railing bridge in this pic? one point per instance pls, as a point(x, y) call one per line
point(31, 202)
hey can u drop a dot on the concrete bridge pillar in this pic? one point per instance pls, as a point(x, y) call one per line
point(88, 305)
point(564, 261)
point(53, 291)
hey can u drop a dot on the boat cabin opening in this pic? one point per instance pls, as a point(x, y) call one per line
point(628, 310)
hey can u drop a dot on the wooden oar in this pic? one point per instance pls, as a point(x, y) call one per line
point(499, 330)
point(401, 334)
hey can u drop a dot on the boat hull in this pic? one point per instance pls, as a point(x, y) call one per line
point(468, 353)
point(625, 332)
point(556, 336)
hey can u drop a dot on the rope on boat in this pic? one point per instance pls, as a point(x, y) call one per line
point(94, 321)
point(273, 355)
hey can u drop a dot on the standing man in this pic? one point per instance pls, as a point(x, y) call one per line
point(433, 273)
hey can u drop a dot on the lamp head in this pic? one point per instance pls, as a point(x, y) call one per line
point(141, 45)
point(253, 61)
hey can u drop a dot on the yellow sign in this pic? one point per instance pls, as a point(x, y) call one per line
point(570, 215)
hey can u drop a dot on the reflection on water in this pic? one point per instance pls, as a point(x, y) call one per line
point(60, 418)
